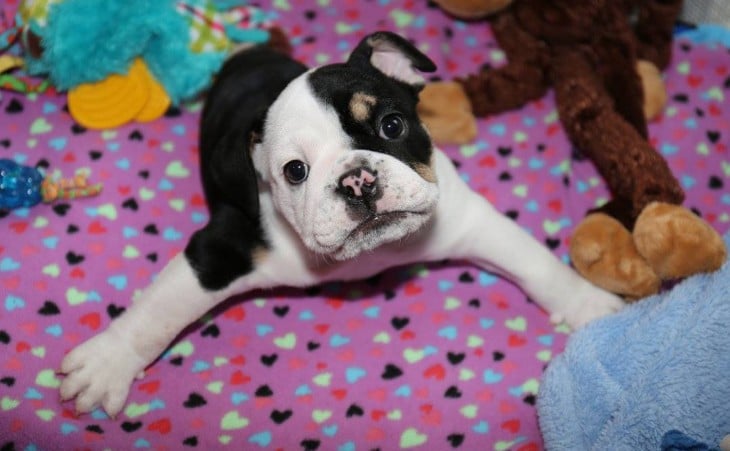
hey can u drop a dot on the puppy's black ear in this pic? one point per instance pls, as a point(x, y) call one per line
point(235, 109)
point(392, 55)
point(233, 116)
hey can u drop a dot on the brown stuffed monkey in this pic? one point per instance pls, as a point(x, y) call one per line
point(603, 59)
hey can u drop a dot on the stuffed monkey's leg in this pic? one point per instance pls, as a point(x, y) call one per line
point(521, 80)
point(601, 248)
point(635, 173)
point(448, 108)
point(671, 240)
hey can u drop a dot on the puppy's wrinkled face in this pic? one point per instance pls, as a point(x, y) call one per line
point(346, 157)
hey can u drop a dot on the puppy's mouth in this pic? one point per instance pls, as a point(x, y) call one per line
point(379, 220)
point(378, 229)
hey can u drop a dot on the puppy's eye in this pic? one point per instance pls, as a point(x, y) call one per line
point(392, 127)
point(296, 171)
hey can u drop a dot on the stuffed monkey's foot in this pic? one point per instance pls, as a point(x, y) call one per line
point(603, 251)
point(676, 242)
point(446, 111)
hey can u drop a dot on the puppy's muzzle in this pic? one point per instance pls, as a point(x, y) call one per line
point(359, 185)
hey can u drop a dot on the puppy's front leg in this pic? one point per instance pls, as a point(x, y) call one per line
point(101, 370)
point(497, 243)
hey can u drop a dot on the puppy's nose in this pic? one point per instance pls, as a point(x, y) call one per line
point(359, 183)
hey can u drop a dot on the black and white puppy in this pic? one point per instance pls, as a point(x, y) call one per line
point(316, 175)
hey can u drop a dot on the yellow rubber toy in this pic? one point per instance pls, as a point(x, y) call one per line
point(157, 102)
point(118, 99)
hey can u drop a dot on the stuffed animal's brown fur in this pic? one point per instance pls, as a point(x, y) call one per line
point(604, 68)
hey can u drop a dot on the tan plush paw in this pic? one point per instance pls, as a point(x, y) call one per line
point(655, 93)
point(603, 251)
point(446, 112)
point(676, 242)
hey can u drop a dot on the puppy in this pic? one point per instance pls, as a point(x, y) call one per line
point(317, 175)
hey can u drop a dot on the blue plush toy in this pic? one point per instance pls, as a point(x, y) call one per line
point(654, 376)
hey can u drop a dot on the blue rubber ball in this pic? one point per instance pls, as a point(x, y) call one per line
point(20, 186)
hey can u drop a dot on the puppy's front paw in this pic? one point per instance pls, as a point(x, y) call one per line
point(100, 372)
point(588, 303)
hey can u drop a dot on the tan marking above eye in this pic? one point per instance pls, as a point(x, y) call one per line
point(360, 106)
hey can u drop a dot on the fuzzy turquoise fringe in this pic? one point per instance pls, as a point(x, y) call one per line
point(87, 40)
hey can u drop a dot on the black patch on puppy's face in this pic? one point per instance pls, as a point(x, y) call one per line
point(375, 95)
point(365, 101)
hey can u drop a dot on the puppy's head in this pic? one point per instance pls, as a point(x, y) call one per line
point(345, 155)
